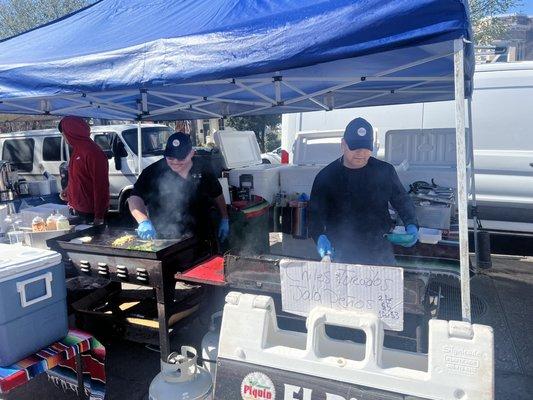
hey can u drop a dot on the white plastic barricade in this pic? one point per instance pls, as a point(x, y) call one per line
point(257, 360)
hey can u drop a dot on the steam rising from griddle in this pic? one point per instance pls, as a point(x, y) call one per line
point(173, 219)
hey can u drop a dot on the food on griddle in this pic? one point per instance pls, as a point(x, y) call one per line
point(123, 241)
point(142, 247)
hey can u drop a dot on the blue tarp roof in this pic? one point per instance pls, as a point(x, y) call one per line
point(189, 59)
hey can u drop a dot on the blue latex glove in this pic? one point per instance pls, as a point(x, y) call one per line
point(411, 230)
point(146, 230)
point(323, 246)
point(223, 229)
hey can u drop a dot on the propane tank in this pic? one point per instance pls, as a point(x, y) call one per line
point(210, 345)
point(181, 378)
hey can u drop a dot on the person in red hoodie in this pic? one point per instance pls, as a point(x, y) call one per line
point(87, 191)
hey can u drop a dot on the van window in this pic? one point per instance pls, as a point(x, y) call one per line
point(52, 149)
point(19, 152)
point(103, 140)
point(154, 140)
point(70, 150)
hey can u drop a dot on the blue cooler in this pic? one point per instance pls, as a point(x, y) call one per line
point(33, 309)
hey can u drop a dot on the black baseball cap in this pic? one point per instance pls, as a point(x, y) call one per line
point(179, 146)
point(359, 134)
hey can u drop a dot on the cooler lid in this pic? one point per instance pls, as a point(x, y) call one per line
point(238, 148)
point(260, 168)
point(317, 148)
point(421, 147)
point(17, 259)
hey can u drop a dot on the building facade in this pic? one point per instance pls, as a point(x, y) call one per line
point(516, 44)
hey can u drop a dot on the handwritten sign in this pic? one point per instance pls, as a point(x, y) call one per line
point(305, 285)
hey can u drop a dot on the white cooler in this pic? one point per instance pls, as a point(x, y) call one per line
point(33, 309)
point(265, 179)
point(242, 156)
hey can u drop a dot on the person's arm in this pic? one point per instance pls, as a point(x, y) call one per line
point(145, 229)
point(214, 190)
point(401, 201)
point(318, 208)
point(138, 208)
point(221, 205)
point(63, 173)
point(140, 196)
point(100, 168)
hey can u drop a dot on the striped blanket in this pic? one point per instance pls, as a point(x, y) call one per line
point(253, 209)
point(59, 361)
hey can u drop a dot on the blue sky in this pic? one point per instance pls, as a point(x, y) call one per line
point(526, 7)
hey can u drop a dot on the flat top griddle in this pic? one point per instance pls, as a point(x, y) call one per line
point(102, 238)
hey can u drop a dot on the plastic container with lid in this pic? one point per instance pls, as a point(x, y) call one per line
point(12, 223)
point(51, 222)
point(429, 236)
point(16, 237)
point(38, 225)
point(62, 222)
point(8, 223)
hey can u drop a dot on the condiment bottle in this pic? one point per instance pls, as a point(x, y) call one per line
point(38, 225)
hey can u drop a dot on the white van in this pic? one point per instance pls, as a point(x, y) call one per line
point(502, 107)
point(33, 152)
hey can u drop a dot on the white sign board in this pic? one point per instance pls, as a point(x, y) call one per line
point(307, 284)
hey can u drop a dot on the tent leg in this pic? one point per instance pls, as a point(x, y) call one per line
point(462, 181)
point(139, 149)
point(472, 172)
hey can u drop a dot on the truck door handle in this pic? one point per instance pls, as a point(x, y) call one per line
point(531, 164)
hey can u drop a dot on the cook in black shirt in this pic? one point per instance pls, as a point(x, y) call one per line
point(348, 211)
point(172, 197)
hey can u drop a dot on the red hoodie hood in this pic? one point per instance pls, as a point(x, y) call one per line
point(76, 130)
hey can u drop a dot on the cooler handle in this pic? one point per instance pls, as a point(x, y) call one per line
point(367, 322)
point(21, 289)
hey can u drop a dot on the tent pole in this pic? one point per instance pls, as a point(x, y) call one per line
point(462, 181)
point(472, 171)
point(139, 149)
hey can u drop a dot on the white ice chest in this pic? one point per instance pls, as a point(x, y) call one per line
point(33, 309)
point(242, 156)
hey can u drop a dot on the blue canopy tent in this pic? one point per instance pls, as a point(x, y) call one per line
point(190, 59)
